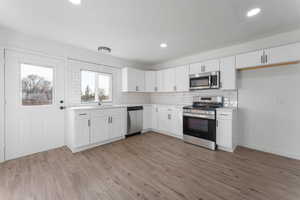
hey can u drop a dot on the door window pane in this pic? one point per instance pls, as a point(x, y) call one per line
point(37, 85)
point(104, 87)
point(88, 86)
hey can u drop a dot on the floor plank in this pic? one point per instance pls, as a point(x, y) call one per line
point(150, 166)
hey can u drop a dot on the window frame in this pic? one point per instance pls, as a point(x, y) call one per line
point(97, 73)
point(53, 103)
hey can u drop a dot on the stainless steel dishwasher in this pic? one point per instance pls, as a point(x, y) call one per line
point(134, 120)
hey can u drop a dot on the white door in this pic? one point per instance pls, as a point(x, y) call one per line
point(147, 117)
point(251, 59)
point(196, 68)
point(211, 65)
point(115, 126)
point(82, 131)
point(286, 53)
point(224, 133)
point(228, 73)
point(160, 81)
point(140, 80)
point(182, 78)
point(99, 128)
point(169, 80)
point(34, 88)
point(150, 81)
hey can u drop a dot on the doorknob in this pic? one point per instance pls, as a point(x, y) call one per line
point(62, 107)
point(61, 101)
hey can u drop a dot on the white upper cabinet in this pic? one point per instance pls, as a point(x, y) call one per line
point(228, 73)
point(284, 54)
point(169, 80)
point(211, 65)
point(203, 67)
point(160, 81)
point(182, 78)
point(150, 81)
point(133, 80)
point(253, 59)
point(196, 68)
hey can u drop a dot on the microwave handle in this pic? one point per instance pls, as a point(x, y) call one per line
point(209, 81)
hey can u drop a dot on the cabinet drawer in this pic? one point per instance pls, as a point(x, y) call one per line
point(82, 115)
point(224, 115)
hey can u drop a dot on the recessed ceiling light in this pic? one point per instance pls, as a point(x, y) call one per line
point(163, 45)
point(75, 2)
point(253, 12)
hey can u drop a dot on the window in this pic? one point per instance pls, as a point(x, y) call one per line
point(37, 85)
point(96, 87)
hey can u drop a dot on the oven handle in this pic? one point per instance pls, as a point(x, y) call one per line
point(199, 116)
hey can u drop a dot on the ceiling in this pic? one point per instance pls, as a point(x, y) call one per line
point(134, 29)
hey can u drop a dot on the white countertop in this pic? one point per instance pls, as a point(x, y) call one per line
point(96, 107)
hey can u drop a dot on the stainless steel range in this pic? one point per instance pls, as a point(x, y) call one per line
point(199, 121)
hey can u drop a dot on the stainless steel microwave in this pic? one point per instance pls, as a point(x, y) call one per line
point(210, 80)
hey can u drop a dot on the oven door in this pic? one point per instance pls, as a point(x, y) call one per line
point(200, 128)
point(198, 82)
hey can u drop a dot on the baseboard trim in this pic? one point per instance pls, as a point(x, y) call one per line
point(76, 150)
point(257, 148)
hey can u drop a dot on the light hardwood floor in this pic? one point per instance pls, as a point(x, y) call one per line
point(150, 166)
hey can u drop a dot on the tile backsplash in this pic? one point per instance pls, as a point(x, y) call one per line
point(230, 97)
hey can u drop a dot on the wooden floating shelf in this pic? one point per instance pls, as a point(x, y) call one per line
point(268, 66)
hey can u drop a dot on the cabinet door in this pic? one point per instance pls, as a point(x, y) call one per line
point(129, 80)
point(140, 80)
point(251, 59)
point(196, 68)
point(154, 117)
point(162, 119)
point(224, 133)
point(150, 81)
point(160, 81)
point(147, 117)
point(287, 53)
point(211, 65)
point(177, 122)
point(169, 80)
point(82, 132)
point(115, 127)
point(99, 128)
point(228, 73)
point(182, 78)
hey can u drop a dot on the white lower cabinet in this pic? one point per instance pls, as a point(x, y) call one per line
point(89, 128)
point(167, 120)
point(147, 117)
point(226, 129)
point(99, 127)
point(82, 126)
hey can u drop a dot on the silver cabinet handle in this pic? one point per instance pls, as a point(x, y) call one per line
point(261, 60)
point(175, 88)
point(89, 123)
point(217, 123)
point(82, 114)
point(111, 120)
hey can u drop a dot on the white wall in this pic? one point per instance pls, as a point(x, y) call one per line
point(269, 110)
point(1, 105)
point(15, 40)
